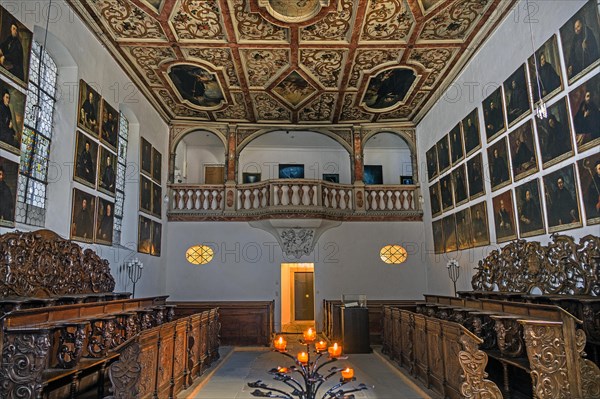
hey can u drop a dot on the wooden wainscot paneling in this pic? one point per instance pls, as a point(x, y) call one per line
point(243, 323)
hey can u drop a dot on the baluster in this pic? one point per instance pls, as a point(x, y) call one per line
point(311, 194)
point(347, 199)
point(243, 198)
point(176, 197)
point(279, 194)
point(186, 197)
point(252, 198)
point(267, 195)
point(324, 193)
point(409, 197)
point(330, 197)
point(219, 199)
point(210, 203)
point(338, 196)
point(261, 196)
point(290, 194)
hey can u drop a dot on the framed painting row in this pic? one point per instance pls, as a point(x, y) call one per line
point(151, 161)
point(92, 218)
point(97, 117)
point(150, 197)
point(9, 176)
point(512, 100)
point(522, 208)
point(149, 236)
point(15, 48)
point(95, 165)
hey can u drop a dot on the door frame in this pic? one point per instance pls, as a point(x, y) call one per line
point(293, 298)
point(286, 299)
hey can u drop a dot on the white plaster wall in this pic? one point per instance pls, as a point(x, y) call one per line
point(198, 157)
point(90, 61)
point(316, 161)
point(247, 263)
point(507, 48)
point(395, 162)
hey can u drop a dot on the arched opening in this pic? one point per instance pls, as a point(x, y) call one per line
point(387, 160)
point(295, 154)
point(200, 159)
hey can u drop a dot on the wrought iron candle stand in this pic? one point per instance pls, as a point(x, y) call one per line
point(453, 272)
point(307, 387)
point(134, 270)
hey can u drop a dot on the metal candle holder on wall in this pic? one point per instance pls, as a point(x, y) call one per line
point(134, 271)
point(453, 272)
point(308, 386)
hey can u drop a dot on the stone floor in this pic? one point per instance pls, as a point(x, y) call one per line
point(229, 378)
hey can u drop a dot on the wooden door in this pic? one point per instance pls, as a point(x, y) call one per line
point(304, 298)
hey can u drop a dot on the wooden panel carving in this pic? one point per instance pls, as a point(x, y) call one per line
point(561, 267)
point(125, 374)
point(42, 264)
point(473, 362)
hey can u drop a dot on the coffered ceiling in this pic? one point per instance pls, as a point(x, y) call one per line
point(292, 61)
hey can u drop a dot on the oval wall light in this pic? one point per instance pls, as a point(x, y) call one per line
point(393, 254)
point(199, 254)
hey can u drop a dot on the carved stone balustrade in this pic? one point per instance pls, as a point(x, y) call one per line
point(293, 198)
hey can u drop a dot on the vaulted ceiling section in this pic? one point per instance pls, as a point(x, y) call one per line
point(292, 61)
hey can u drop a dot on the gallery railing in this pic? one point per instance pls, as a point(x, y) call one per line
point(294, 197)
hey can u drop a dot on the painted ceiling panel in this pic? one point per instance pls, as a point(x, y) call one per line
point(292, 61)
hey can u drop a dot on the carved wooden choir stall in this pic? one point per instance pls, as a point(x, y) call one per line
point(534, 310)
point(64, 330)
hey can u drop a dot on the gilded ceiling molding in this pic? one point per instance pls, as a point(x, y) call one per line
point(404, 112)
point(252, 26)
point(351, 113)
point(269, 109)
point(371, 59)
point(320, 109)
point(219, 58)
point(264, 66)
point(325, 65)
point(194, 20)
point(294, 11)
point(387, 21)
point(127, 21)
point(237, 111)
point(334, 27)
point(434, 60)
point(455, 22)
point(149, 60)
point(177, 110)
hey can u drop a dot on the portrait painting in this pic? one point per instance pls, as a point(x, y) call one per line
point(107, 176)
point(446, 192)
point(12, 113)
point(248, 177)
point(156, 165)
point(144, 235)
point(504, 217)
point(449, 228)
point(291, 171)
point(105, 218)
point(197, 86)
point(88, 118)
point(438, 237)
point(435, 199)
point(529, 209)
point(145, 194)
point(585, 111)
point(15, 47)
point(443, 153)
point(146, 157)
point(464, 237)
point(475, 177)
point(9, 175)
point(457, 152)
point(83, 216)
point(580, 41)
point(470, 128)
point(545, 70)
point(516, 96)
point(459, 184)
point(480, 232)
point(109, 128)
point(331, 177)
point(523, 154)
point(562, 200)
point(498, 164)
point(294, 89)
point(589, 184)
point(156, 200)
point(388, 88)
point(493, 115)
point(86, 160)
point(554, 134)
point(156, 239)
point(432, 164)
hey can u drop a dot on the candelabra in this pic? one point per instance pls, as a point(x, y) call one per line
point(134, 271)
point(453, 271)
point(311, 380)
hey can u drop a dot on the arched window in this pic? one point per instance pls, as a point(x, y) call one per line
point(37, 138)
point(121, 168)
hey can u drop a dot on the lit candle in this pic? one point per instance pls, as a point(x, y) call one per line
point(310, 335)
point(303, 357)
point(280, 344)
point(321, 346)
point(335, 350)
point(282, 370)
point(348, 373)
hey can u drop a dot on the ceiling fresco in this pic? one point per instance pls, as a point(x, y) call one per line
point(292, 61)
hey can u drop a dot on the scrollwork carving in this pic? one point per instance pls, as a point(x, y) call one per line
point(561, 267)
point(473, 362)
point(41, 264)
point(125, 373)
point(71, 341)
point(589, 372)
